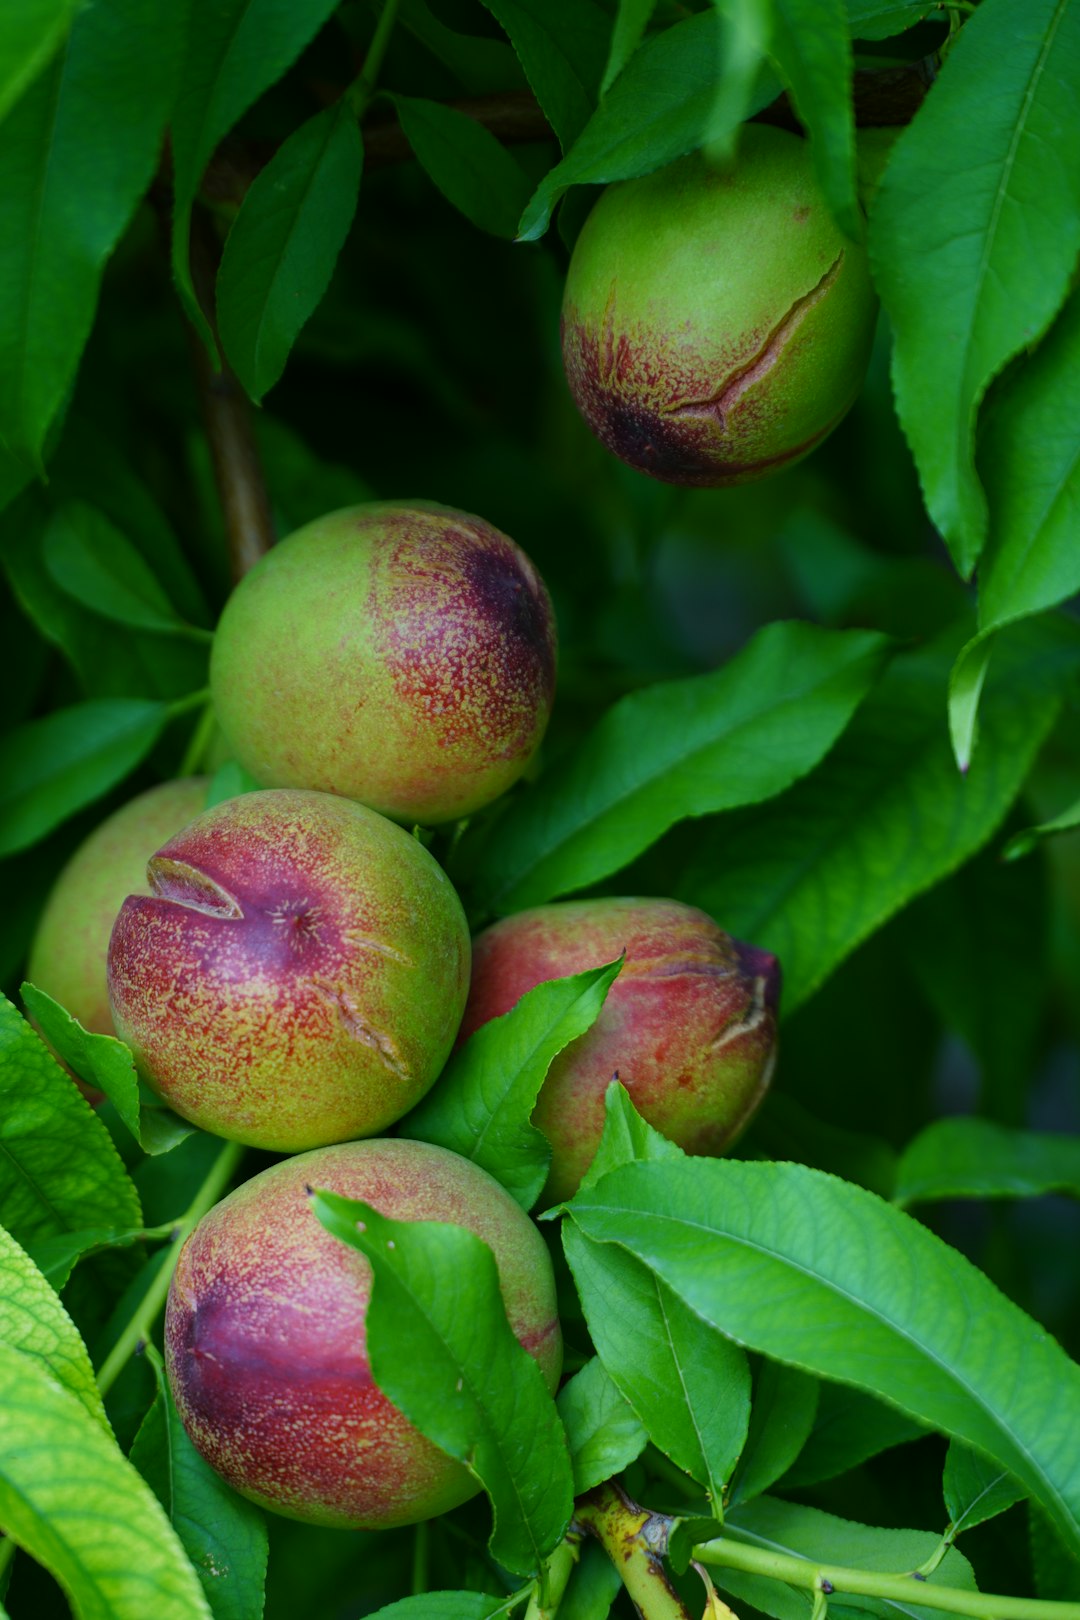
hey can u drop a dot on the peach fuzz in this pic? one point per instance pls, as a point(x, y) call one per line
point(298, 973)
point(689, 1025)
point(716, 323)
point(71, 944)
point(265, 1336)
point(401, 654)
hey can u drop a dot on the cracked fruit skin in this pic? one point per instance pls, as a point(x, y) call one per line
point(265, 1340)
point(689, 1025)
point(298, 973)
point(716, 324)
point(67, 957)
point(402, 654)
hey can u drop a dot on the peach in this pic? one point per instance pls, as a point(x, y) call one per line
point(689, 1025)
point(265, 1340)
point(67, 957)
point(402, 654)
point(716, 323)
point(296, 976)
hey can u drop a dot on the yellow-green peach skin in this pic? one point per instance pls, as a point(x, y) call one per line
point(297, 975)
point(265, 1334)
point(689, 1025)
point(401, 654)
point(68, 955)
point(716, 323)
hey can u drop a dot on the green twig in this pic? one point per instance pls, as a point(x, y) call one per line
point(555, 1577)
point(827, 1578)
point(362, 88)
point(138, 1330)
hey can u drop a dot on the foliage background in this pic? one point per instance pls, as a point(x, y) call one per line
point(926, 978)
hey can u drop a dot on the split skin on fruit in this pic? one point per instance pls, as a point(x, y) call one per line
point(401, 654)
point(298, 973)
point(689, 1025)
point(716, 323)
point(265, 1334)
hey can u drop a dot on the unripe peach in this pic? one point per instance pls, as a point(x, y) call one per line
point(400, 654)
point(67, 958)
point(689, 1025)
point(716, 323)
point(297, 975)
point(265, 1334)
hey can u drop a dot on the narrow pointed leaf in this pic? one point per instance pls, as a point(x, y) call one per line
point(284, 243)
point(442, 1350)
point(561, 45)
point(685, 748)
point(811, 48)
point(471, 168)
point(602, 1430)
point(69, 1496)
point(628, 31)
point(975, 1488)
point(981, 274)
point(30, 35)
point(879, 19)
point(97, 565)
point(59, 1170)
point(660, 108)
point(849, 1427)
point(827, 1277)
point(974, 1158)
point(781, 1420)
point(77, 151)
point(481, 1106)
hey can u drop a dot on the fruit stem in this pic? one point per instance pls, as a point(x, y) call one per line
point(362, 88)
point(139, 1328)
point(554, 1579)
point(907, 1589)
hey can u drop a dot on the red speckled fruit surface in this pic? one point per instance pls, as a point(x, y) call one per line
point(689, 1025)
point(265, 1343)
point(402, 654)
point(716, 322)
point(297, 975)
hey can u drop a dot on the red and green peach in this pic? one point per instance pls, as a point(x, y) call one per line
point(265, 1334)
point(298, 973)
point(401, 654)
point(689, 1025)
point(716, 323)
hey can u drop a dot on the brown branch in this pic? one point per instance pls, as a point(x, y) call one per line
point(226, 413)
point(635, 1540)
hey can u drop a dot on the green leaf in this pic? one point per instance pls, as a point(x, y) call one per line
point(685, 748)
point(827, 1277)
point(562, 46)
point(811, 49)
point(52, 767)
point(880, 19)
point(806, 1532)
point(849, 1427)
point(95, 564)
point(481, 1106)
point(972, 280)
point(444, 1606)
point(975, 1488)
point(974, 1158)
point(593, 1586)
point(746, 34)
point(224, 1536)
point(442, 1350)
point(626, 1137)
point(228, 782)
point(886, 816)
point(661, 107)
point(57, 1256)
point(33, 1321)
point(602, 1431)
point(284, 243)
point(70, 178)
point(471, 168)
point(1022, 843)
point(71, 1499)
point(107, 1063)
point(236, 49)
point(59, 1170)
point(688, 1384)
point(1057, 1572)
point(628, 31)
point(781, 1421)
point(30, 35)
